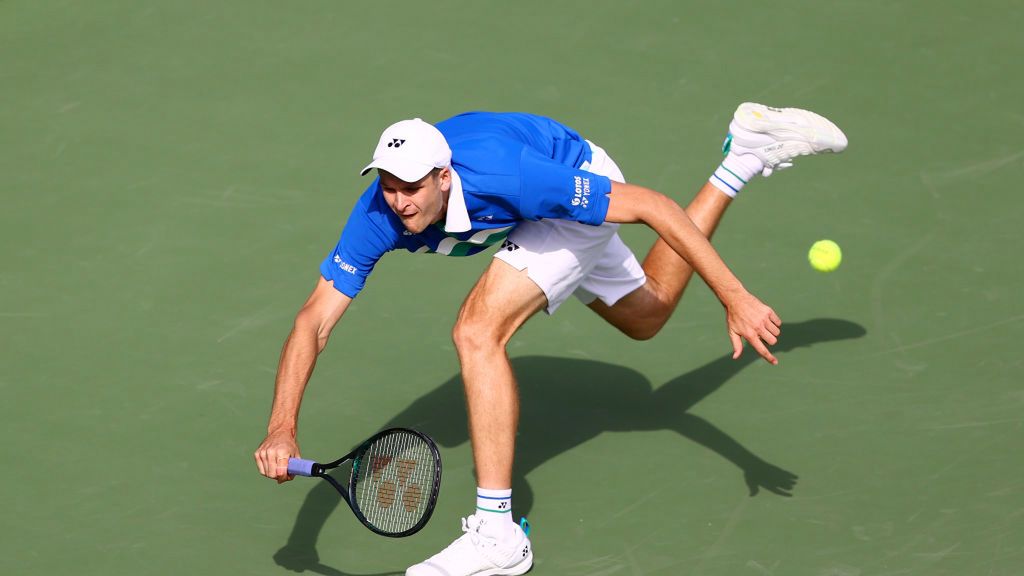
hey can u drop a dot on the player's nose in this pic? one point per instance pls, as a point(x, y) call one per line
point(401, 203)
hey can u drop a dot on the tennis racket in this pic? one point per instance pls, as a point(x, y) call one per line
point(394, 482)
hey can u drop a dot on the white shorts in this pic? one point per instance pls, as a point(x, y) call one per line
point(564, 257)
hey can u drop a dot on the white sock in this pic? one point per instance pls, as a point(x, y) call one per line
point(734, 173)
point(494, 507)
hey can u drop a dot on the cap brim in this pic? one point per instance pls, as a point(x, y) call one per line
point(404, 171)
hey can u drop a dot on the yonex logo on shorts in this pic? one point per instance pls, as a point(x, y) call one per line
point(395, 142)
point(509, 245)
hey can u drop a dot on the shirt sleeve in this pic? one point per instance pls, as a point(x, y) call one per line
point(553, 190)
point(362, 243)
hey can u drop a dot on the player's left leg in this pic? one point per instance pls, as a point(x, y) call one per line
point(644, 311)
point(761, 140)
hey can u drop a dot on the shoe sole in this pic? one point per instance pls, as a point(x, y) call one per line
point(522, 568)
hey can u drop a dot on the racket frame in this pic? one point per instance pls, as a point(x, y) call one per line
point(348, 492)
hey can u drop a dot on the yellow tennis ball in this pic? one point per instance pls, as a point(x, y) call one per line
point(825, 256)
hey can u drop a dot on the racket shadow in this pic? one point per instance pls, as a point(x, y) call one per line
point(300, 554)
point(566, 402)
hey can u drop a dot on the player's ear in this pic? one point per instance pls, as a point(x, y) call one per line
point(446, 179)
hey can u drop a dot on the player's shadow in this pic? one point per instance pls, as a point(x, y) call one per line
point(564, 403)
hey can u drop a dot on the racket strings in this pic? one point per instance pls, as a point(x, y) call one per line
point(395, 482)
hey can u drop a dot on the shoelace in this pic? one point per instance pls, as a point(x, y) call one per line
point(471, 526)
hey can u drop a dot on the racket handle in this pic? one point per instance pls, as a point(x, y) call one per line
point(300, 467)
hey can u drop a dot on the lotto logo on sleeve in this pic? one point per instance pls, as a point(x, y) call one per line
point(581, 196)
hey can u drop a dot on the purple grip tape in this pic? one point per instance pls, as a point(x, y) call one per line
point(300, 467)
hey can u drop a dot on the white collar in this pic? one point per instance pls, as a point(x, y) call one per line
point(457, 218)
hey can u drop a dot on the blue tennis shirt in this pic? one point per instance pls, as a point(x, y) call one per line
point(506, 168)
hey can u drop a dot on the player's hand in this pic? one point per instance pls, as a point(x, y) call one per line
point(752, 320)
point(273, 454)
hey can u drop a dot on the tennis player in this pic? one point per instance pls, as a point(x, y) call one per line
point(552, 201)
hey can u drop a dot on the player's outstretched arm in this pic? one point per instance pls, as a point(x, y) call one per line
point(747, 317)
point(313, 325)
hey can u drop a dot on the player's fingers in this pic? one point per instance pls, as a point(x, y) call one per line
point(774, 329)
point(737, 344)
point(763, 351)
point(259, 462)
point(284, 476)
point(266, 463)
point(775, 318)
point(281, 467)
point(768, 337)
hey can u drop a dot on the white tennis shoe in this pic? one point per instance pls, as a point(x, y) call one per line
point(475, 554)
point(778, 135)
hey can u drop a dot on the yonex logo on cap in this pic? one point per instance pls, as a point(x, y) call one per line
point(409, 150)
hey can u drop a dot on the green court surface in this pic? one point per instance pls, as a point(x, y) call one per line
point(172, 173)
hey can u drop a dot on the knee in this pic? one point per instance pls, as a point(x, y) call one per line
point(644, 331)
point(473, 334)
point(645, 328)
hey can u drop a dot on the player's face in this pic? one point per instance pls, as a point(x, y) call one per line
point(419, 204)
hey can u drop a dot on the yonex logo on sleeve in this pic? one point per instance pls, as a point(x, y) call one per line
point(395, 142)
point(582, 192)
point(344, 265)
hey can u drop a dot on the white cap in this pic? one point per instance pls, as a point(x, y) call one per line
point(410, 149)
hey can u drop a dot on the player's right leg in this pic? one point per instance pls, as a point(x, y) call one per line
point(491, 544)
point(762, 140)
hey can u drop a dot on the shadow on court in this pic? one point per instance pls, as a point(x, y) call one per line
point(566, 402)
